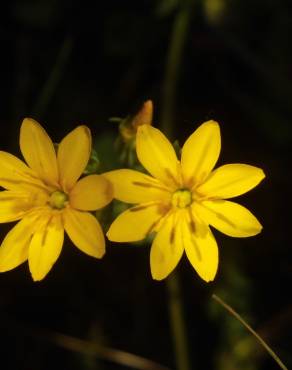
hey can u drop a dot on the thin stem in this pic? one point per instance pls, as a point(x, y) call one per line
point(173, 64)
point(250, 329)
point(178, 326)
point(53, 79)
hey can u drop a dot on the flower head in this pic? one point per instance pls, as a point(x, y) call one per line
point(182, 199)
point(48, 199)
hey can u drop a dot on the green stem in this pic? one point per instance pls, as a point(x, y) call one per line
point(178, 327)
point(53, 79)
point(250, 329)
point(173, 64)
point(171, 78)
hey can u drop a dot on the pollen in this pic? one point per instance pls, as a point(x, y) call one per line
point(58, 199)
point(181, 198)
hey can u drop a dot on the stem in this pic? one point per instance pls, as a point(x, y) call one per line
point(173, 63)
point(250, 329)
point(53, 79)
point(178, 327)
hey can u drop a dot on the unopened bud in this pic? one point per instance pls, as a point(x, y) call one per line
point(128, 127)
point(144, 116)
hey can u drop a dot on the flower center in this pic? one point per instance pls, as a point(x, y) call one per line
point(58, 199)
point(181, 198)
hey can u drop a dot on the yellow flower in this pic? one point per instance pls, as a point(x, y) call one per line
point(47, 197)
point(182, 199)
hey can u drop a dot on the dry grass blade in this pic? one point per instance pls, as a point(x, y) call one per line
point(110, 354)
point(250, 329)
point(85, 347)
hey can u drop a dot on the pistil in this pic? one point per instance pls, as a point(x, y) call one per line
point(58, 199)
point(182, 198)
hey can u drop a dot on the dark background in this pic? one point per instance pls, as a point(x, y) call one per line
point(70, 62)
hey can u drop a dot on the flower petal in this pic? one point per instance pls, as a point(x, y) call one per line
point(167, 248)
point(15, 174)
point(46, 245)
point(231, 180)
point(135, 223)
point(201, 250)
point(228, 217)
point(14, 248)
point(200, 153)
point(38, 151)
point(73, 155)
point(85, 232)
point(91, 193)
point(136, 187)
point(157, 155)
point(14, 205)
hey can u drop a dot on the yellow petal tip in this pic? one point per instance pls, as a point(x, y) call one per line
point(37, 277)
point(211, 122)
point(263, 174)
point(110, 237)
point(157, 277)
point(85, 129)
point(99, 253)
point(207, 277)
point(259, 229)
point(30, 122)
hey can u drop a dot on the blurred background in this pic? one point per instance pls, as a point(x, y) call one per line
point(70, 62)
